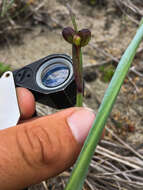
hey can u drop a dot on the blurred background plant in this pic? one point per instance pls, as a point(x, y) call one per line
point(14, 8)
point(96, 2)
point(3, 68)
point(13, 17)
point(107, 72)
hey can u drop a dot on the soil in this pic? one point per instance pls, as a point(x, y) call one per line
point(112, 31)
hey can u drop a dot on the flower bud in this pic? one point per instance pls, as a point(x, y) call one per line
point(85, 36)
point(68, 34)
point(76, 40)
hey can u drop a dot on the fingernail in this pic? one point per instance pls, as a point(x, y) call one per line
point(80, 123)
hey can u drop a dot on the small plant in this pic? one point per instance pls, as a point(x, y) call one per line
point(78, 39)
point(107, 72)
point(75, 38)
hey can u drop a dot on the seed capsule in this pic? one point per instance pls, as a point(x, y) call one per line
point(68, 34)
point(85, 36)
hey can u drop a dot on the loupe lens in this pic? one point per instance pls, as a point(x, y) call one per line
point(54, 75)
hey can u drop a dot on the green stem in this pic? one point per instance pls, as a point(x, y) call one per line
point(81, 168)
point(74, 22)
point(72, 15)
point(79, 99)
point(78, 73)
point(72, 18)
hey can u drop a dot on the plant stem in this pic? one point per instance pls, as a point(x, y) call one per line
point(77, 63)
point(81, 168)
point(74, 23)
point(78, 73)
point(72, 17)
point(79, 99)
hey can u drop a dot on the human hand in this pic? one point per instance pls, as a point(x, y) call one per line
point(39, 148)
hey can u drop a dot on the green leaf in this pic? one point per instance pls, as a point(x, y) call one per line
point(81, 168)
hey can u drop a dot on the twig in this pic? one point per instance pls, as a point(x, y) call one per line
point(134, 85)
point(90, 185)
point(112, 144)
point(35, 10)
point(44, 185)
point(104, 52)
point(113, 166)
point(8, 29)
point(117, 157)
point(132, 7)
point(132, 69)
point(122, 172)
point(92, 65)
point(57, 22)
point(125, 181)
point(125, 144)
point(124, 12)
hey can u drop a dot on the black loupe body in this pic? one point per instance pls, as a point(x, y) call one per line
point(51, 80)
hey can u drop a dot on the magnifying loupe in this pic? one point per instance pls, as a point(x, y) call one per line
point(50, 79)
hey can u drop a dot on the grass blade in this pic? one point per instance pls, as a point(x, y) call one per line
point(80, 170)
point(6, 6)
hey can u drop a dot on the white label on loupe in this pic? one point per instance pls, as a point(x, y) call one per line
point(9, 109)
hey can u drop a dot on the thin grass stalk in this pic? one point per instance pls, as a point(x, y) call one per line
point(72, 15)
point(6, 6)
point(10, 4)
point(4, 3)
point(81, 167)
point(74, 22)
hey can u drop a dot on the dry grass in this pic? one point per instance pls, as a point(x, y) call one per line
point(17, 16)
point(115, 166)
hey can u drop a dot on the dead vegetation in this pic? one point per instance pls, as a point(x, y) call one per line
point(17, 16)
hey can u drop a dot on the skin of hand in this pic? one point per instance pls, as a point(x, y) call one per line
point(39, 148)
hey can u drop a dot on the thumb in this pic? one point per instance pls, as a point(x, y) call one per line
point(39, 149)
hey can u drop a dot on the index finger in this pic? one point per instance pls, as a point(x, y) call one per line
point(26, 102)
